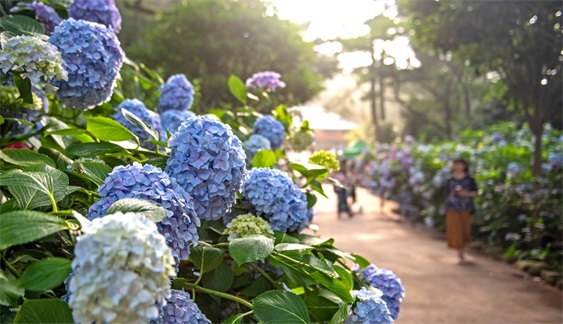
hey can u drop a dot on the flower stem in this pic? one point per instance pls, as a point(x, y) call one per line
point(219, 294)
point(267, 276)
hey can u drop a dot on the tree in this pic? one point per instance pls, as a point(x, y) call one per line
point(518, 41)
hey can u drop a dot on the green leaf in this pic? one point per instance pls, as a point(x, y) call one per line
point(1, 120)
point(337, 286)
point(150, 210)
point(311, 200)
point(320, 308)
point(264, 159)
point(282, 237)
point(315, 185)
point(61, 161)
point(25, 158)
point(10, 293)
point(24, 226)
point(96, 171)
point(345, 275)
point(52, 311)
point(235, 319)
point(23, 85)
point(299, 168)
point(92, 149)
point(251, 248)
point(46, 274)
point(257, 287)
point(341, 315)
point(219, 279)
point(107, 129)
point(361, 261)
point(206, 258)
point(237, 88)
point(20, 25)
point(280, 307)
point(283, 116)
point(292, 246)
point(139, 123)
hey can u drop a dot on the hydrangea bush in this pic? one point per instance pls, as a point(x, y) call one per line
point(267, 80)
point(172, 119)
point(270, 128)
point(99, 11)
point(176, 94)
point(388, 283)
point(179, 308)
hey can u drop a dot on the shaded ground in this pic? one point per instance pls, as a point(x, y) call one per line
point(437, 289)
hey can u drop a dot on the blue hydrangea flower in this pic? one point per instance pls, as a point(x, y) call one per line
point(267, 80)
point(172, 119)
point(45, 14)
point(207, 159)
point(270, 128)
point(277, 199)
point(99, 11)
point(151, 183)
point(138, 108)
point(255, 144)
point(389, 284)
point(93, 58)
point(176, 94)
point(121, 271)
point(369, 309)
point(180, 309)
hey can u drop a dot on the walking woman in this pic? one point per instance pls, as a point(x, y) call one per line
point(342, 192)
point(461, 189)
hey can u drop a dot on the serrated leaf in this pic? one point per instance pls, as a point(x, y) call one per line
point(264, 159)
point(96, 171)
point(150, 210)
point(107, 129)
point(219, 279)
point(24, 226)
point(206, 258)
point(9, 290)
point(92, 149)
point(237, 88)
point(25, 158)
point(20, 25)
point(53, 311)
point(45, 274)
point(280, 307)
point(251, 248)
point(139, 123)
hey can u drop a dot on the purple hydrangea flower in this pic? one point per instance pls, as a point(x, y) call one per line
point(389, 284)
point(270, 128)
point(172, 119)
point(93, 58)
point(45, 14)
point(277, 199)
point(138, 108)
point(180, 309)
point(151, 183)
point(267, 79)
point(255, 144)
point(369, 309)
point(99, 11)
point(176, 94)
point(207, 159)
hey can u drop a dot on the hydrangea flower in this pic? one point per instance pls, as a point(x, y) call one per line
point(172, 119)
point(277, 199)
point(255, 144)
point(180, 309)
point(176, 94)
point(325, 159)
point(267, 79)
point(14, 107)
point(270, 128)
point(138, 108)
point(389, 284)
point(207, 159)
point(368, 309)
point(93, 58)
point(45, 14)
point(99, 11)
point(151, 183)
point(301, 140)
point(32, 57)
point(248, 224)
point(121, 270)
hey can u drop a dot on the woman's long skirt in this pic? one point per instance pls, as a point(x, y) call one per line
point(458, 228)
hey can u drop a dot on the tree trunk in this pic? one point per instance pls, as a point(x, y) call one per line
point(381, 98)
point(536, 164)
point(373, 106)
point(448, 112)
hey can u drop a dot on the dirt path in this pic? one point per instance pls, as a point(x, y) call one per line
point(437, 289)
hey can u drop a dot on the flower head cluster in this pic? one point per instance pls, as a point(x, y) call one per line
point(93, 58)
point(389, 284)
point(172, 119)
point(180, 309)
point(99, 11)
point(248, 224)
point(325, 159)
point(151, 183)
point(122, 268)
point(45, 14)
point(255, 144)
point(369, 309)
point(207, 159)
point(176, 94)
point(277, 199)
point(138, 108)
point(270, 128)
point(301, 140)
point(32, 57)
point(267, 79)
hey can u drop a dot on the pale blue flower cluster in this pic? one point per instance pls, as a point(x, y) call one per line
point(176, 94)
point(45, 14)
point(207, 159)
point(255, 144)
point(389, 284)
point(277, 199)
point(270, 128)
point(93, 58)
point(99, 11)
point(267, 80)
point(151, 183)
point(172, 119)
point(369, 309)
point(121, 271)
point(138, 108)
point(32, 57)
point(180, 309)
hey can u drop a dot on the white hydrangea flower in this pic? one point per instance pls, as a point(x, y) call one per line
point(248, 224)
